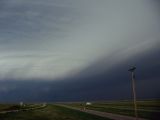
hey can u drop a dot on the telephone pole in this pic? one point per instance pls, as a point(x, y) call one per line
point(134, 90)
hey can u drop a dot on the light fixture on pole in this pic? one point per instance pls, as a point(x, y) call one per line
point(134, 90)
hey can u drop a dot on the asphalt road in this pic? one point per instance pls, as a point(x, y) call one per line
point(104, 114)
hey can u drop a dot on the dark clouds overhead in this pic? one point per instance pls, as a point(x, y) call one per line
point(78, 50)
point(90, 84)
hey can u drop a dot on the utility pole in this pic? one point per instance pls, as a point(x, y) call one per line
point(134, 90)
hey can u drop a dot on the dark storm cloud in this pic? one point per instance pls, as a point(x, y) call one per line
point(77, 32)
point(64, 50)
point(104, 84)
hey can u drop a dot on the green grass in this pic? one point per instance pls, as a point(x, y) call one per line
point(149, 109)
point(51, 112)
point(7, 107)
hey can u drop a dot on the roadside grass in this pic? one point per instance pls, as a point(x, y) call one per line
point(149, 109)
point(7, 107)
point(51, 112)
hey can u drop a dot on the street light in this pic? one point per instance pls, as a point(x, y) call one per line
point(134, 91)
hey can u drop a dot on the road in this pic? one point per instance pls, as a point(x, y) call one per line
point(104, 114)
point(158, 111)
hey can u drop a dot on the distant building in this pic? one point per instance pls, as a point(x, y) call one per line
point(88, 103)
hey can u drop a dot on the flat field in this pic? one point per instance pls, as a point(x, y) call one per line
point(50, 112)
point(149, 109)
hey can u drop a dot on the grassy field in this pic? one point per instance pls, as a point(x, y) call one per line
point(6, 107)
point(149, 109)
point(51, 112)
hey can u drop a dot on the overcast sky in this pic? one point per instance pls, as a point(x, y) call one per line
point(59, 39)
point(53, 38)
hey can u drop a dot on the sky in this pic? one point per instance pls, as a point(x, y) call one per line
point(78, 49)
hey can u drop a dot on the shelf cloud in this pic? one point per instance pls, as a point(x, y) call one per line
point(67, 40)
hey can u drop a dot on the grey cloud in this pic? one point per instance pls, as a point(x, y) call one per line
point(78, 32)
